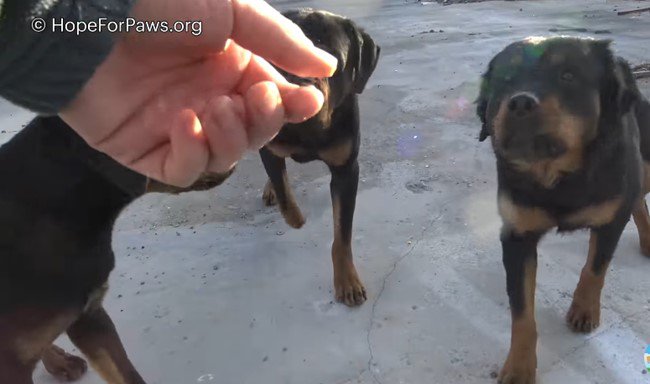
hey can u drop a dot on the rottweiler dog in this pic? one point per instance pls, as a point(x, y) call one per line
point(331, 136)
point(571, 135)
point(59, 199)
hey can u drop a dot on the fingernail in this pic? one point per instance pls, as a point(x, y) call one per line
point(331, 61)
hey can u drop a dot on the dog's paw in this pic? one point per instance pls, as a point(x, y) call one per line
point(62, 365)
point(519, 370)
point(583, 317)
point(268, 196)
point(293, 217)
point(349, 289)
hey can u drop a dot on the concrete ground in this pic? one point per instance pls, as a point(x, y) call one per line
point(215, 287)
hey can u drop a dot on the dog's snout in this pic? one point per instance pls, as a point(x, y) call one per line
point(547, 146)
point(522, 104)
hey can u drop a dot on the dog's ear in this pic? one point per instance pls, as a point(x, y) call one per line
point(618, 90)
point(367, 57)
point(482, 103)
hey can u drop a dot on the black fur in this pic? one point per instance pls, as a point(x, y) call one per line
point(575, 73)
point(335, 127)
point(59, 199)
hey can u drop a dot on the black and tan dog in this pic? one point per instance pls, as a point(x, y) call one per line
point(332, 136)
point(571, 134)
point(58, 202)
point(59, 205)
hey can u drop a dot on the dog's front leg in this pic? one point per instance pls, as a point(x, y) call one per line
point(277, 189)
point(520, 261)
point(347, 285)
point(584, 313)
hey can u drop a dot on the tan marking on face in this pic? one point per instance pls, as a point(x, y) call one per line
point(103, 363)
point(596, 215)
point(30, 346)
point(572, 131)
point(524, 219)
point(338, 154)
point(549, 172)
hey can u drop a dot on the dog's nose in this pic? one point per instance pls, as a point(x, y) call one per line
point(522, 104)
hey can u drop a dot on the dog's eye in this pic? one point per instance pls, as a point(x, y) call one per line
point(567, 76)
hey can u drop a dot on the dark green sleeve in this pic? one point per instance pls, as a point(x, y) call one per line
point(44, 71)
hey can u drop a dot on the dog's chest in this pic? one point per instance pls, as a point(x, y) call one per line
point(541, 218)
point(302, 142)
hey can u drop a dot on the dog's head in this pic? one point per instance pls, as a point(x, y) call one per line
point(356, 51)
point(543, 100)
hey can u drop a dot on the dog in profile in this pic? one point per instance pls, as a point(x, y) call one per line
point(332, 136)
point(571, 135)
point(59, 199)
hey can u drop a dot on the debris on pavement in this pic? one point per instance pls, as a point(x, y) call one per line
point(633, 11)
point(641, 71)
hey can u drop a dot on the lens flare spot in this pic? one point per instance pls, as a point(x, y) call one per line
point(196, 127)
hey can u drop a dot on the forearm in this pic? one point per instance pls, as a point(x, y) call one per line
point(44, 71)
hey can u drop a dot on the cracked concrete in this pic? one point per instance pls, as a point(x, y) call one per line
point(215, 287)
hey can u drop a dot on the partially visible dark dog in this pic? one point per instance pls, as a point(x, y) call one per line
point(571, 134)
point(59, 199)
point(332, 136)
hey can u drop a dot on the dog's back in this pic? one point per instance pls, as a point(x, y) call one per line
point(58, 201)
point(641, 108)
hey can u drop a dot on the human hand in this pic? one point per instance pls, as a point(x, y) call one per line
point(173, 106)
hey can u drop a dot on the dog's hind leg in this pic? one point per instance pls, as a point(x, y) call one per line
point(347, 285)
point(24, 335)
point(642, 221)
point(278, 190)
point(95, 335)
point(62, 365)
